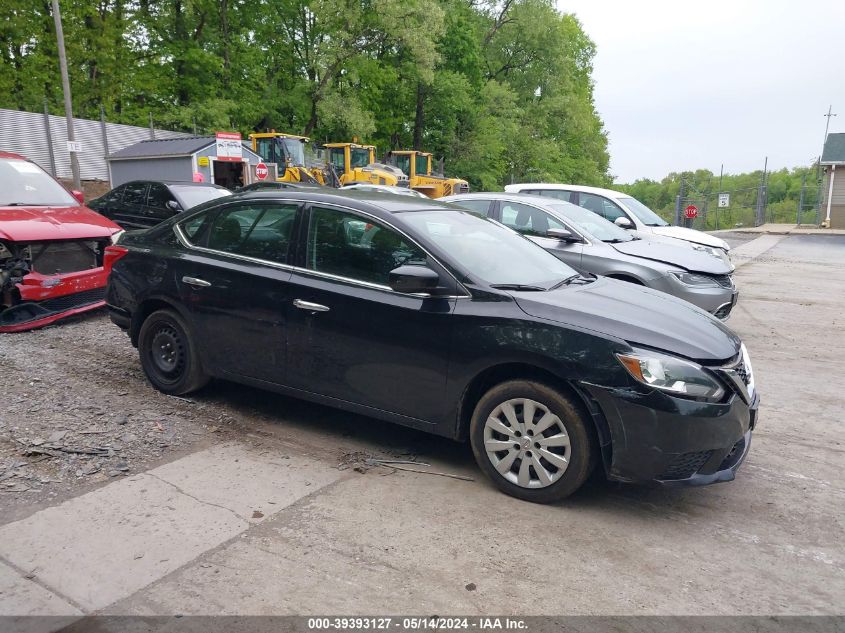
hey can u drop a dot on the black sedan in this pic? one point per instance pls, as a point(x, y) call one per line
point(145, 203)
point(429, 316)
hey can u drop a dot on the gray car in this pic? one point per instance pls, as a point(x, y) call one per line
point(591, 244)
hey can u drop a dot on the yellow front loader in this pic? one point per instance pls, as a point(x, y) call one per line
point(291, 153)
point(417, 166)
point(351, 162)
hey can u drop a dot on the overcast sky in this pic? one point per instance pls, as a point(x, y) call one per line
point(684, 85)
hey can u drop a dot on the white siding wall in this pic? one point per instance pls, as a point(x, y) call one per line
point(24, 133)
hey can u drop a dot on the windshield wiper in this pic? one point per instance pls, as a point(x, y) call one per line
point(566, 282)
point(517, 287)
point(616, 240)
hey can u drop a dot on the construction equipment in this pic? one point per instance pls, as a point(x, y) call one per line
point(417, 166)
point(291, 153)
point(351, 162)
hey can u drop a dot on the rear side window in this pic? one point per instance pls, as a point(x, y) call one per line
point(480, 207)
point(259, 231)
point(135, 193)
point(350, 246)
point(557, 194)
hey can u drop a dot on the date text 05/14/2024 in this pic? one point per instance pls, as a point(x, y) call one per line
point(416, 623)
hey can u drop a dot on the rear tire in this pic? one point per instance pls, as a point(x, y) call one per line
point(532, 441)
point(168, 354)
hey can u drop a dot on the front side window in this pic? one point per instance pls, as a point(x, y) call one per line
point(337, 159)
point(528, 220)
point(648, 217)
point(350, 246)
point(600, 206)
point(135, 193)
point(23, 183)
point(158, 196)
point(259, 231)
point(421, 165)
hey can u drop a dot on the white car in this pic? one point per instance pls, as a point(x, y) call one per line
point(620, 208)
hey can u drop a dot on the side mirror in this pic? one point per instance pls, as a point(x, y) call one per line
point(564, 235)
point(413, 279)
point(623, 222)
point(173, 205)
point(78, 196)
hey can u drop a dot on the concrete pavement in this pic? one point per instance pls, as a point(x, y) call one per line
point(277, 528)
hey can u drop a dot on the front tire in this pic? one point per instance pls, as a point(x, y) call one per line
point(532, 441)
point(168, 354)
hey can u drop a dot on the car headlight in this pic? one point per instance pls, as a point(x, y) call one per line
point(671, 374)
point(696, 280)
point(115, 237)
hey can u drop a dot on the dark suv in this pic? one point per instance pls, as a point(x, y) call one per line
point(426, 315)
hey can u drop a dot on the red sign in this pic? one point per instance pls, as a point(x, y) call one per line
point(691, 212)
point(261, 171)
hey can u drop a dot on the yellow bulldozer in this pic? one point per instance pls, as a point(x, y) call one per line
point(351, 162)
point(291, 153)
point(417, 166)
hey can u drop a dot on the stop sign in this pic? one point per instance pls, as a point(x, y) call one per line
point(261, 171)
point(691, 211)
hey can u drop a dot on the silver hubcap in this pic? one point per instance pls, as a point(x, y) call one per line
point(526, 443)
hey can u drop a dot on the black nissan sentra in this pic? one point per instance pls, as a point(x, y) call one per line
point(429, 316)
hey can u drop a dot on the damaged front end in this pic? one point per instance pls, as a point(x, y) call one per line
point(41, 282)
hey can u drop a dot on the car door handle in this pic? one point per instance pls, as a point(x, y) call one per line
point(307, 305)
point(197, 283)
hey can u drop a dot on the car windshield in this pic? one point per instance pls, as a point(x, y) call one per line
point(192, 196)
point(648, 217)
point(23, 183)
point(591, 223)
point(488, 251)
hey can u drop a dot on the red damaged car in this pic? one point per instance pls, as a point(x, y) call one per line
point(51, 248)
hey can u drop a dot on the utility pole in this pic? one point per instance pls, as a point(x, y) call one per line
point(829, 114)
point(71, 137)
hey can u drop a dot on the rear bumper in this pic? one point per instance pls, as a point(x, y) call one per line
point(47, 299)
point(668, 441)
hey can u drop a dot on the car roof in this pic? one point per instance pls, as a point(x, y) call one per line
point(610, 193)
point(382, 203)
point(181, 183)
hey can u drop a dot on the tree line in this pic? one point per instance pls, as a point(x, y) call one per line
point(500, 89)
point(785, 189)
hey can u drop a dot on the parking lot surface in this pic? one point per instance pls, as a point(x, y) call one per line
point(117, 499)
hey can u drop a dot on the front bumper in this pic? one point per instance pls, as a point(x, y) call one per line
point(657, 438)
point(47, 299)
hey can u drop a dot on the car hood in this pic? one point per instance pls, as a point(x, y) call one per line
point(691, 235)
point(638, 315)
point(682, 255)
point(28, 224)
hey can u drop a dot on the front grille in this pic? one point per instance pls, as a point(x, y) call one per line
point(77, 300)
point(738, 365)
point(686, 465)
point(56, 258)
